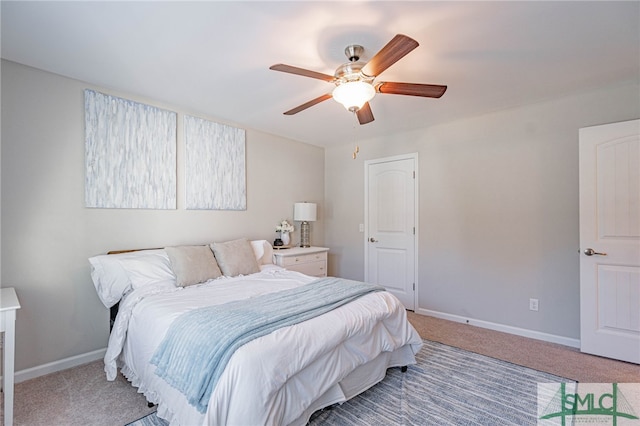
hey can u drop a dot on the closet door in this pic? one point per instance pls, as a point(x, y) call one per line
point(390, 222)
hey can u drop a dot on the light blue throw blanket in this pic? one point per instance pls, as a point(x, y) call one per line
point(199, 343)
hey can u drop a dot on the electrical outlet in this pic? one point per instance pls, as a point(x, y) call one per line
point(533, 305)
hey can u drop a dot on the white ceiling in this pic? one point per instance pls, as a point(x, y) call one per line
point(213, 58)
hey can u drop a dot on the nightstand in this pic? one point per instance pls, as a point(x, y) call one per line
point(8, 305)
point(308, 260)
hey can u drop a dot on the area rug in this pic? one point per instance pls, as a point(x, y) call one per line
point(448, 386)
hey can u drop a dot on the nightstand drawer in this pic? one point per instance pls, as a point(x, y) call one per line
point(310, 261)
point(315, 269)
point(303, 258)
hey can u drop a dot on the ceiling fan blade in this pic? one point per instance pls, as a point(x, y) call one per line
point(411, 89)
point(364, 114)
point(391, 53)
point(308, 104)
point(303, 72)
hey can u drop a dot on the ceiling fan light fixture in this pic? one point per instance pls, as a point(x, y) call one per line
point(354, 80)
point(354, 94)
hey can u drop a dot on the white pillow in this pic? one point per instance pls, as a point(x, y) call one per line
point(148, 269)
point(263, 251)
point(109, 277)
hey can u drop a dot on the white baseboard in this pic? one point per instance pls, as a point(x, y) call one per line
point(63, 364)
point(561, 340)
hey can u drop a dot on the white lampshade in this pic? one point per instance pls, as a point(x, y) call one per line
point(305, 212)
point(354, 94)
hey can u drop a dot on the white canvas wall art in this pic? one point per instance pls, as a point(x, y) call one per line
point(130, 153)
point(214, 166)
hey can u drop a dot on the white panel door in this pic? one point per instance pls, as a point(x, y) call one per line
point(390, 226)
point(610, 240)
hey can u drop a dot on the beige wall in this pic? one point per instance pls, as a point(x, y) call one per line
point(498, 212)
point(48, 234)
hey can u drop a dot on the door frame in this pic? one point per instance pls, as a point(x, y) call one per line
point(416, 218)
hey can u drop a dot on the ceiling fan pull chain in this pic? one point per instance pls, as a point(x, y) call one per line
point(356, 149)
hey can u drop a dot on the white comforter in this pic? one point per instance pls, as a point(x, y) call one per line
point(276, 379)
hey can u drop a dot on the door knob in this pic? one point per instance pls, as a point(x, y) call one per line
point(373, 240)
point(591, 252)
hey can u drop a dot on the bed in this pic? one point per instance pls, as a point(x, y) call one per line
point(280, 375)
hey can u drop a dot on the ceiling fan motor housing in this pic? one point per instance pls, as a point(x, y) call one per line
point(349, 71)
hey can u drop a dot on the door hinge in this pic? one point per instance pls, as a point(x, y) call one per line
point(414, 230)
point(414, 286)
point(414, 174)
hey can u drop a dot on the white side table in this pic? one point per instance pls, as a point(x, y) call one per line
point(8, 305)
point(308, 260)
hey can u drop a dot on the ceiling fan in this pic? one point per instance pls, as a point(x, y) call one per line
point(354, 80)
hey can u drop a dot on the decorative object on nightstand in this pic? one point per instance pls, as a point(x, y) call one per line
point(284, 228)
point(308, 260)
point(305, 213)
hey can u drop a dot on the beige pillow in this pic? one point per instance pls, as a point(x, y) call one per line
point(193, 264)
point(236, 257)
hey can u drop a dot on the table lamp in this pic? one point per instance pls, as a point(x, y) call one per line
point(305, 213)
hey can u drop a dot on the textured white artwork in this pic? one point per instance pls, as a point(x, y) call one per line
point(130, 153)
point(215, 166)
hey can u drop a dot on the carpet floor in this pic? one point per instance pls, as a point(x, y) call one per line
point(82, 396)
point(447, 386)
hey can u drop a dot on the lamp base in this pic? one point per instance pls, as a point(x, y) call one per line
point(304, 234)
